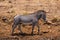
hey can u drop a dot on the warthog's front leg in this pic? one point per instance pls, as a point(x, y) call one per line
point(33, 24)
point(32, 29)
point(38, 28)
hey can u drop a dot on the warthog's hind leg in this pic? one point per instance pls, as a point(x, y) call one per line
point(13, 27)
point(19, 28)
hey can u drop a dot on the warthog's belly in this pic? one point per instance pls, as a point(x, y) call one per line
point(24, 24)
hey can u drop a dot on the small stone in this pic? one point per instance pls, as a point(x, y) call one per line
point(35, 31)
point(49, 39)
point(10, 2)
point(4, 19)
point(49, 27)
point(45, 31)
point(50, 31)
point(54, 20)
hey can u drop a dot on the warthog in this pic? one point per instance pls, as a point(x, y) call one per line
point(32, 18)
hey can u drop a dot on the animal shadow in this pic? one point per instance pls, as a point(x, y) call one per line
point(24, 34)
